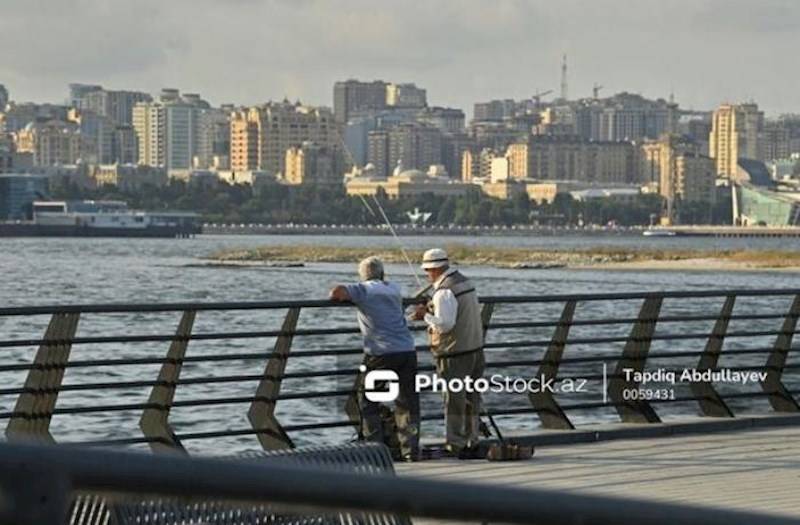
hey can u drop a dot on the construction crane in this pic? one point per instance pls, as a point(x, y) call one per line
point(537, 97)
point(596, 90)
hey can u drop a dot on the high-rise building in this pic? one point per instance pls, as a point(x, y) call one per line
point(51, 142)
point(167, 131)
point(115, 105)
point(736, 132)
point(477, 163)
point(413, 145)
point(244, 140)
point(98, 136)
point(214, 138)
point(494, 110)
point(695, 178)
point(78, 91)
point(17, 116)
point(124, 145)
point(3, 97)
point(697, 126)
point(557, 120)
point(405, 96)
point(495, 135)
point(571, 158)
point(312, 164)
point(261, 135)
point(675, 165)
point(777, 141)
point(148, 125)
point(625, 117)
point(353, 98)
point(448, 120)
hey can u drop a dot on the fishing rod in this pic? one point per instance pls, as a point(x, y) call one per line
point(396, 237)
point(422, 289)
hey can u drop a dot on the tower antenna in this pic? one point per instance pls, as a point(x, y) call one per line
point(564, 91)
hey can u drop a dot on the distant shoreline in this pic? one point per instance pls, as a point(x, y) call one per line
point(501, 231)
point(599, 258)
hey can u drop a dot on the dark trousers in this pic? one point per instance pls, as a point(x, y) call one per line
point(406, 406)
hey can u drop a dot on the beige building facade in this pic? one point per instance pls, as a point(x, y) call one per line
point(311, 164)
point(736, 132)
point(571, 158)
point(261, 135)
point(50, 143)
point(129, 176)
point(677, 168)
point(409, 183)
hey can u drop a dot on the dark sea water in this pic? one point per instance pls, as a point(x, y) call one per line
point(70, 271)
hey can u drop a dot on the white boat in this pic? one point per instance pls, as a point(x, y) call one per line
point(100, 219)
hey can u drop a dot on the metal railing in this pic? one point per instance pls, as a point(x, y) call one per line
point(299, 384)
point(37, 483)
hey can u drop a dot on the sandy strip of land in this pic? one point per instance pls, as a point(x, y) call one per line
point(607, 259)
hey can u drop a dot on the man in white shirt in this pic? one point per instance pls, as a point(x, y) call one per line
point(456, 339)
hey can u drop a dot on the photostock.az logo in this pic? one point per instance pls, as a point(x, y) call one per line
point(387, 379)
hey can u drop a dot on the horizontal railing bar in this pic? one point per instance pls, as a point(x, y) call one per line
point(213, 336)
point(290, 485)
point(625, 338)
point(348, 351)
point(113, 442)
point(676, 294)
point(115, 308)
point(266, 305)
point(630, 320)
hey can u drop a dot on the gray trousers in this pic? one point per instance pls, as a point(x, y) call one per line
point(406, 406)
point(461, 409)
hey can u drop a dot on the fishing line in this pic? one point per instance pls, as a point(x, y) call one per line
point(394, 234)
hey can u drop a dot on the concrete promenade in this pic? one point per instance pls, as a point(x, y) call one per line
point(755, 468)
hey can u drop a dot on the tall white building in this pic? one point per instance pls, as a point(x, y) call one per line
point(168, 130)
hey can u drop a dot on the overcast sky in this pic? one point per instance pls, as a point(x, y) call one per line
point(462, 51)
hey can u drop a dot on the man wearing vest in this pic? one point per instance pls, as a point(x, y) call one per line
point(455, 332)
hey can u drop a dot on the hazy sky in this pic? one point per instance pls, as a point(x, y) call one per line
point(462, 51)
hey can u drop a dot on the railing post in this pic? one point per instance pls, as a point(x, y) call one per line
point(779, 397)
point(710, 401)
point(34, 408)
point(262, 411)
point(486, 317)
point(154, 421)
point(550, 413)
point(634, 357)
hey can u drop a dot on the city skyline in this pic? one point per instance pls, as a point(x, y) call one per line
point(462, 52)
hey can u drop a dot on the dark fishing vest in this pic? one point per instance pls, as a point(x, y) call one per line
point(467, 334)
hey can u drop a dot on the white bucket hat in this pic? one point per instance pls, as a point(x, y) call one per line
point(435, 258)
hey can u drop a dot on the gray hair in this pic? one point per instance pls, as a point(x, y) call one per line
point(370, 268)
